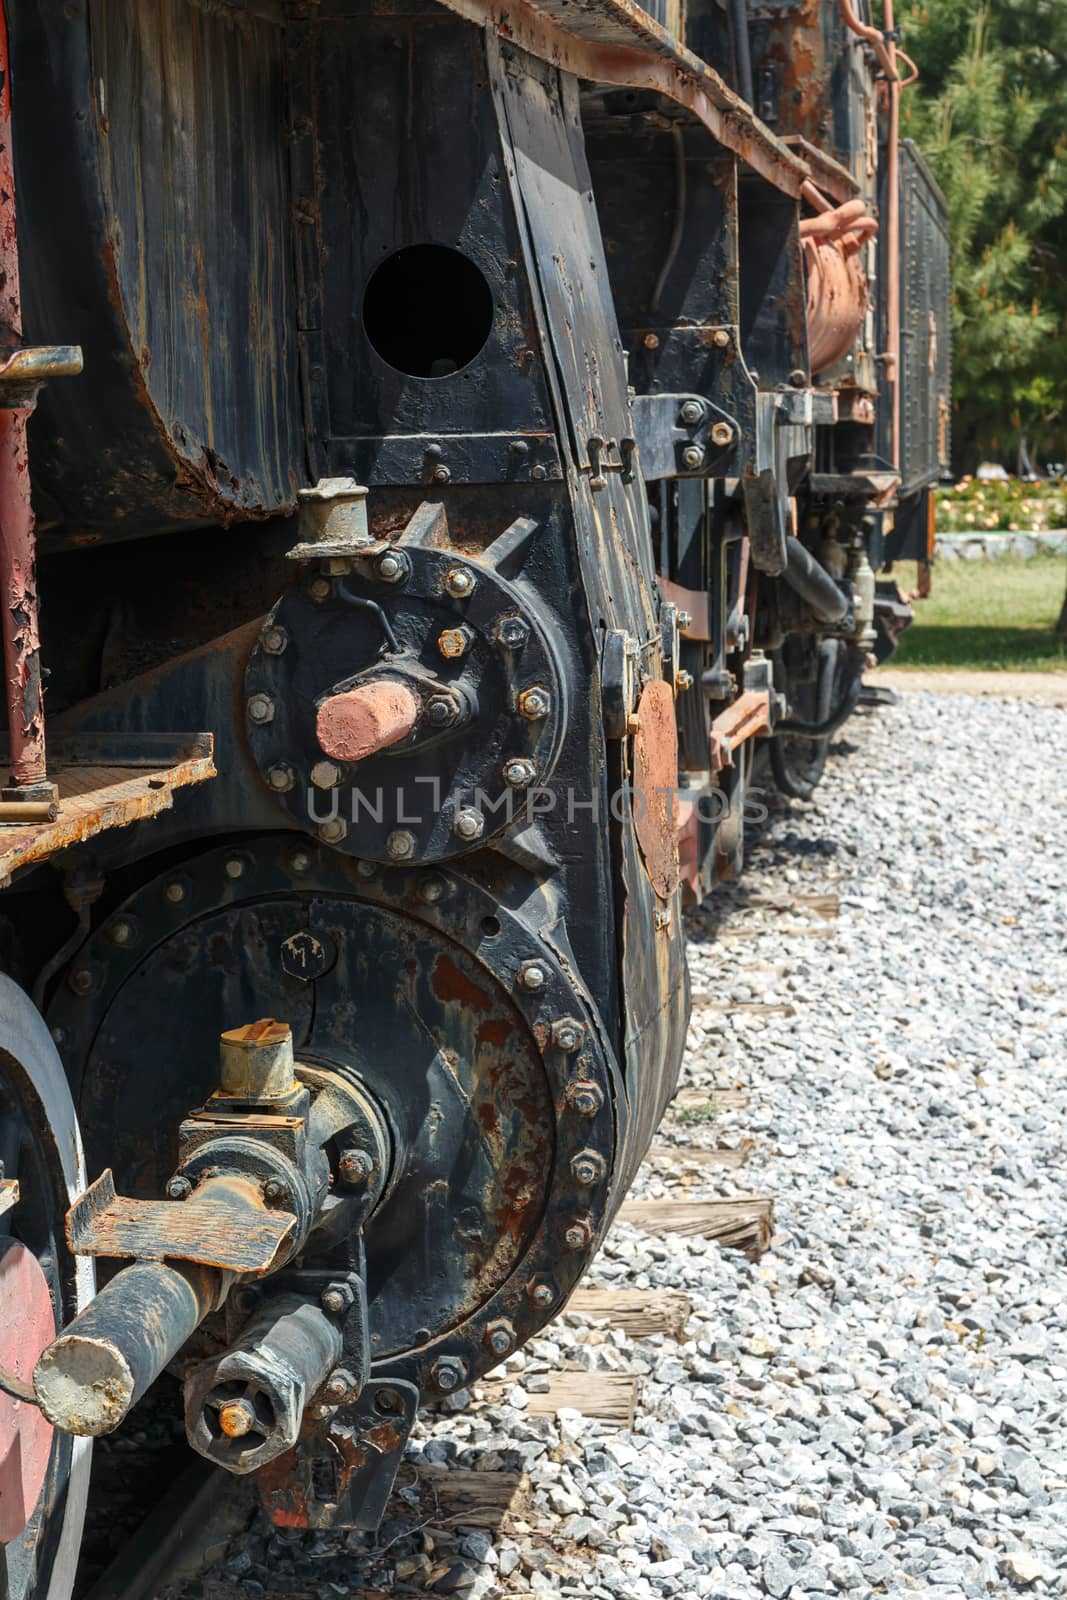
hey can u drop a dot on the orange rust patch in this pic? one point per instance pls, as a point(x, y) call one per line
point(449, 983)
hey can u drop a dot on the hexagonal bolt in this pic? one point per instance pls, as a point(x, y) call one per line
point(468, 824)
point(333, 830)
point(692, 456)
point(585, 1097)
point(179, 1187)
point(448, 1373)
point(500, 1337)
point(175, 893)
point(325, 775)
point(567, 1034)
point(459, 582)
point(441, 474)
point(400, 845)
point(276, 1193)
point(578, 1235)
point(691, 412)
point(392, 566)
point(237, 1418)
point(354, 1167)
point(721, 433)
point(281, 777)
point(684, 620)
point(300, 861)
point(433, 888)
point(234, 868)
point(720, 338)
point(542, 1293)
point(588, 1167)
point(519, 772)
point(651, 341)
point(683, 680)
point(534, 703)
point(441, 711)
point(532, 976)
point(273, 639)
point(512, 632)
point(337, 1298)
point(321, 589)
point(454, 642)
point(798, 378)
point(260, 709)
point(121, 933)
point(340, 1386)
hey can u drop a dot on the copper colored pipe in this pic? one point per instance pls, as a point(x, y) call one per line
point(18, 603)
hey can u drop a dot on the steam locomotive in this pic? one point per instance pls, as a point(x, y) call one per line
point(447, 451)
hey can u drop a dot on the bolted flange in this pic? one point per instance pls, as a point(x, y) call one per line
point(588, 1167)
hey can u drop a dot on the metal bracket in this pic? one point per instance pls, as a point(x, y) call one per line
point(683, 436)
point(26, 371)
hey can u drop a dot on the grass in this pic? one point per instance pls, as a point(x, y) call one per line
point(987, 615)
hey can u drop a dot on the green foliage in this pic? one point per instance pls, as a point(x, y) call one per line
point(990, 115)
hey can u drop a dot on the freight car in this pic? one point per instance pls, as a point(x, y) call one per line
point(441, 445)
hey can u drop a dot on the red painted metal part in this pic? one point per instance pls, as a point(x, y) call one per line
point(749, 715)
point(362, 721)
point(18, 608)
point(27, 1325)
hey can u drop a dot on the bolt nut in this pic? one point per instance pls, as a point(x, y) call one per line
point(532, 976)
point(448, 1373)
point(237, 1418)
point(321, 589)
point(578, 1235)
point(400, 845)
point(684, 620)
point(585, 1097)
point(567, 1034)
point(441, 711)
point(260, 709)
point(469, 824)
point(325, 775)
point(512, 632)
point(542, 1293)
point(82, 980)
point(519, 772)
point(721, 433)
point(682, 680)
point(692, 456)
point(340, 1386)
point(354, 1167)
point(121, 932)
point(175, 893)
point(234, 868)
point(588, 1167)
point(276, 1192)
point(333, 830)
point(337, 1298)
point(281, 777)
point(273, 639)
point(300, 861)
point(441, 474)
point(433, 888)
point(392, 566)
point(692, 411)
point(798, 378)
point(534, 703)
point(454, 642)
point(459, 582)
point(179, 1188)
point(651, 341)
point(500, 1337)
point(720, 338)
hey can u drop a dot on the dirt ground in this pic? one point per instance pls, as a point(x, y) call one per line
point(1046, 688)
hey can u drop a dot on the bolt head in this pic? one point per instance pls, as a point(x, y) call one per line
point(281, 777)
point(469, 824)
point(682, 680)
point(121, 933)
point(720, 338)
point(273, 639)
point(454, 642)
point(234, 868)
point(333, 830)
point(448, 1373)
point(260, 709)
point(578, 1236)
point(542, 1293)
point(325, 775)
point(721, 433)
point(500, 1337)
point(81, 980)
point(585, 1097)
point(518, 772)
point(341, 1386)
point(336, 1298)
point(441, 474)
point(588, 1167)
point(693, 456)
point(567, 1034)
point(391, 566)
point(798, 378)
point(460, 582)
point(354, 1167)
point(692, 411)
point(300, 861)
point(275, 1192)
point(441, 711)
point(400, 845)
point(534, 703)
point(512, 632)
point(651, 341)
point(684, 620)
point(175, 893)
point(433, 888)
point(236, 1418)
point(321, 589)
point(179, 1188)
point(532, 976)
point(538, 473)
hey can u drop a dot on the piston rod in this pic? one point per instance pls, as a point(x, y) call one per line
point(810, 580)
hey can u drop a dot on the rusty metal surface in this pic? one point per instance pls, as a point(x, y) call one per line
point(362, 721)
point(837, 282)
point(748, 716)
point(655, 797)
point(692, 602)
point(617, 42)
point(27, 1324)
point(223, 1224)
point(95, 797)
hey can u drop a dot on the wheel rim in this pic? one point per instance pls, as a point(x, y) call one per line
point(44, 1477)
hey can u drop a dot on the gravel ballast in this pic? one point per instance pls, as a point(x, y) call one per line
point(879, 1406)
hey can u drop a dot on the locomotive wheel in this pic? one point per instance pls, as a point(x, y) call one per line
point(798, 764)
point(44, 1476)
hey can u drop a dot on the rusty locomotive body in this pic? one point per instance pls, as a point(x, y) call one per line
point(490, 421)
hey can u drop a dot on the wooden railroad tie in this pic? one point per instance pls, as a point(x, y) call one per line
point(694, 1155)
point(742, 1222)
point(637, 1312)
point(607, 1397)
